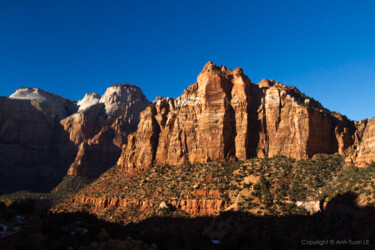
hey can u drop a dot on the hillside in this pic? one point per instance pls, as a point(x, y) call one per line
point(231, 196)
point(271, 186)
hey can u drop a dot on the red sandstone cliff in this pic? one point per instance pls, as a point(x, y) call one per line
point(220, 116)
point(192, 207)
point(364, 144)
point(224, 115)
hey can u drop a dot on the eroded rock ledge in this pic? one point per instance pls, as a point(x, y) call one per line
point(192, 207)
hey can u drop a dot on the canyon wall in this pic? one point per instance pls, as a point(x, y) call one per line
point(101, 126)
point(364, 144)
point(43, 136)
point(221, 116)
point(34, 148)
point(224, 115)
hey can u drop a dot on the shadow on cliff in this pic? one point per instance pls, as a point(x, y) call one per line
point(40, 176)
point(341, 224)
point(35, 150)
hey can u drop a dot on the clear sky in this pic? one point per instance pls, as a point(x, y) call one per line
point(325, 48)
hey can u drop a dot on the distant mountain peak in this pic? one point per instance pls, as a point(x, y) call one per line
point(53, 104)
point(118, 96)
point(89, 100)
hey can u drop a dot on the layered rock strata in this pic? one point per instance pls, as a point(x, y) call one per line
point(192, 207)
point(224, 115)
point(364, 144)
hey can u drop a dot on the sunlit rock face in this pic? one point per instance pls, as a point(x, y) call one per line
point(364, 145)
point(192, 207)
point(88, 101)
point(224, 115)
point(291, 126)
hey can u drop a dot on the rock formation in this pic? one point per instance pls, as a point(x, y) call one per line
point(224, 115)
point(221, 116)
point(364, 144)
point(50, 104)
point(43, 136)
point(101, 126)
point(295, 126)
point(34, 148)
point(192, 207)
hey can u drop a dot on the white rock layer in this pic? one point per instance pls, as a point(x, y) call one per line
point(89, 100)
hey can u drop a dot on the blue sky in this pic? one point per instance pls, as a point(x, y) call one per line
point(325, 48)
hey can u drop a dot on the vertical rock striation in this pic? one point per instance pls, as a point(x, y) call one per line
point(224, 115)
point(364, 144)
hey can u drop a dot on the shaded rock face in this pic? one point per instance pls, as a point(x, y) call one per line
point(50, 104)
point(34, 148)
point(44, 136)
point(101, 126)
point(224, 115)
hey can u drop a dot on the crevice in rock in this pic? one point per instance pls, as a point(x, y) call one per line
point(254, 123)
point(230, 126)
point(155, 136)
point(279, 115)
